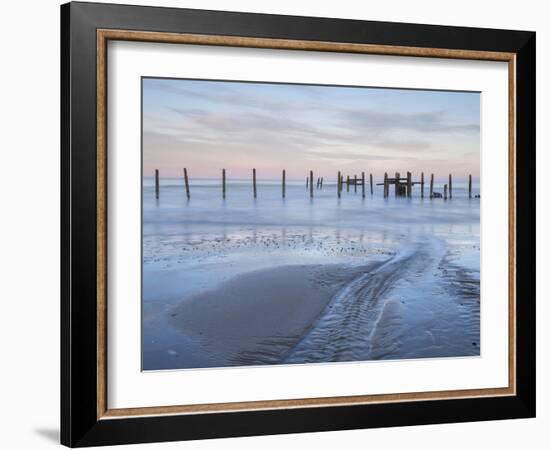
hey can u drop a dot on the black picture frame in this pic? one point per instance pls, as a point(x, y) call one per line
point(80, 425)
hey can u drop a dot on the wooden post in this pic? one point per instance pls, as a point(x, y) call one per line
point(284, 183)
point(371, 188)
point(355, 183)
point(397, 177)
point(157, 184)
point(450, 186)
point(186, 183)
point(223, 183)
point(470, 186)
point(386, 184)
point(318, 182)
point(311, 183)
point(422, 185)
point(254, 181)
point(432, 186)
point(338, 185)
point(321, 182)
point(307, 182)
point(409, 184)
point(347, 184)
point(363, 183)
point(445, 192)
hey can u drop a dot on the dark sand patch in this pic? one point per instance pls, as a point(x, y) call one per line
point(258, 317)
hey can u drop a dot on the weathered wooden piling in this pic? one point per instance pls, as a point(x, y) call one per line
point(157, 189)
point(445, 192)
point(254, 181)
point(338, 185)
point(450, 186)
point(355, 183)
point(371, 188)
point(223, 183)
point(432, 186)
point(470, 186)
point(186, 183)
point(321, 183)
point(422, 185)
point(409, 184)
point(318, 182)
point(397, 177)
point(307, 182)
point(363, 183)
point(284, 183)
point(347, 184)
point(386, 185)
point(311, 183)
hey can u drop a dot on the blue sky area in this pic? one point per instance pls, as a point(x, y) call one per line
point(209, 125)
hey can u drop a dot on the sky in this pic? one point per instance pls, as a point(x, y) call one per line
point(209, 125)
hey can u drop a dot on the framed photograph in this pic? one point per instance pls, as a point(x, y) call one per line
point(277, 224)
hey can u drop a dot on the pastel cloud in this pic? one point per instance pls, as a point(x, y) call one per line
point(206, 125)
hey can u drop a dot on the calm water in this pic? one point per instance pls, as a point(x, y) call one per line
point(173, 214)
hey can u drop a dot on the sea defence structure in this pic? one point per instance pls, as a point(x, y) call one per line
point(401, 186)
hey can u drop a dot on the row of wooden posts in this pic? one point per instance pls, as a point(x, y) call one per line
point(403, 185)
point(354, 182)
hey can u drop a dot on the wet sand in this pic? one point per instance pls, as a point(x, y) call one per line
point(260, 316)
point(391, 308)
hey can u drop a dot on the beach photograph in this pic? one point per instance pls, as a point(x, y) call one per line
point(303, 224)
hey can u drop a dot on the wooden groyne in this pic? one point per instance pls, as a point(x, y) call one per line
point(223, 184)
point(186, 178)
point(355, 181)
point(401, 186)
point(254, 181)
point(157, 187)
point(371, 188)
